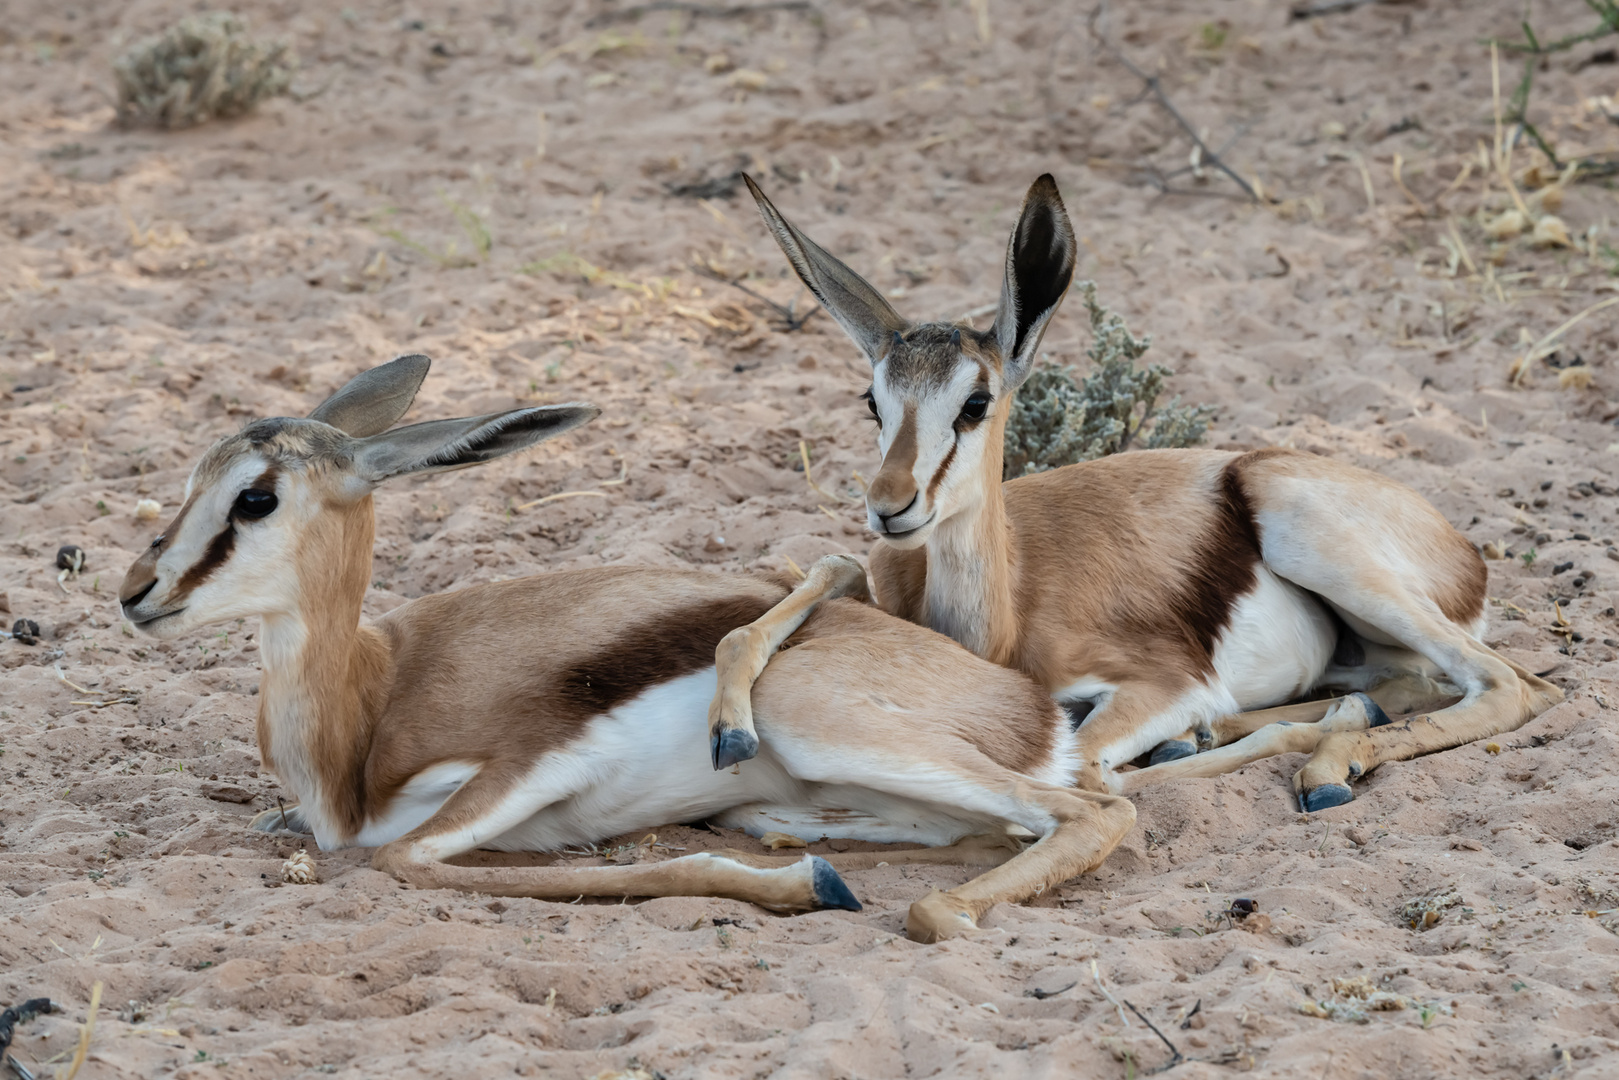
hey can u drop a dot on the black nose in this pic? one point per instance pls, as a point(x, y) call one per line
point(138, 597)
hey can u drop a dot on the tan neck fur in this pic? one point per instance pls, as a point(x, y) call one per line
point(972, 564)
point(325, 676)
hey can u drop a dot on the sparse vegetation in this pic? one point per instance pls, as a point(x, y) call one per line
point(1057, 421)
point(202, 68)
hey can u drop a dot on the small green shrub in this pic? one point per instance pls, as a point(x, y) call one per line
point(202, 67)
point(1057, 421)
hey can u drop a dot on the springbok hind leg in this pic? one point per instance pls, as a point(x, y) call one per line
point(1087, 829)
point(1501, 697)
point(743, 653)
point(486, 808)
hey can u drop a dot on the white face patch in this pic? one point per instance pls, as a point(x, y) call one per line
point(945, 471)
point(219, 565)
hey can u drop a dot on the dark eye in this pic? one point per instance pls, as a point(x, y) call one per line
point(871, 403)
point(254, 504)
point(975, 407)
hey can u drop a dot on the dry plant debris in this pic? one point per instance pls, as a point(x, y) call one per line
point(1355, 998)
point(1056, 421)
point(1424, 912)
point(299, 870)
point(204, 67)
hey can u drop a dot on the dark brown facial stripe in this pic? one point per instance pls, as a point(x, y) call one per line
point(219, 549)
point(678, 643)
point(1222, 570)
point(944, 467)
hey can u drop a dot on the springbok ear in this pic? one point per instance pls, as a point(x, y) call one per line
point(1039, 268)
point(849, 298)
point(373, 401)
point(440, 445)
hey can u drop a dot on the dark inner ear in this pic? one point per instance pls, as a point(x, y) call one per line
point(1042, 267)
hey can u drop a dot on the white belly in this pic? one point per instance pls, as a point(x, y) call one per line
point(644, 764)
point(1277, 644)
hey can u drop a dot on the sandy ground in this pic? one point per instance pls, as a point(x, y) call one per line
point(158, 289)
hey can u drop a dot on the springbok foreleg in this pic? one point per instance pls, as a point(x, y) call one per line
point(488, 805)
point(743, 653)
point(1355, 712)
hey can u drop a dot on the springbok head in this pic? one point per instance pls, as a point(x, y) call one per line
point(941, 392)
point(281, 507)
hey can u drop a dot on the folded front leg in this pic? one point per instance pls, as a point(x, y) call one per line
point(743, 653)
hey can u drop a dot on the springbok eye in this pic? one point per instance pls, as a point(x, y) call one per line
point(871, 403)
point(975, 407)
point(254, 504)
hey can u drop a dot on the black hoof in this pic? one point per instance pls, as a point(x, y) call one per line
point(1374, 711)
point(830, 891)
point(731, 746)
point(1173, 750)
point(1326, 797)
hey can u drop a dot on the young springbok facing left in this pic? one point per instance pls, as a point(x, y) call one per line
point(570, 707)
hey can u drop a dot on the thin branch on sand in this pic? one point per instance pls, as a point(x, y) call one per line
point(1155, 88)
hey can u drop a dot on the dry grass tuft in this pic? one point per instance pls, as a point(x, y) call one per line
point(203, 67)
point(1056, 421)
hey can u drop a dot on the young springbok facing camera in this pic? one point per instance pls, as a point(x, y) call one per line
point(568, 708)
point(1153, 594)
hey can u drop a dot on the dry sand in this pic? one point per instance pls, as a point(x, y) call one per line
point(158, 289)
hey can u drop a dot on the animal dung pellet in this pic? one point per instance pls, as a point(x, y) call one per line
point(25, 632)
point(775, 841)
point(70, 557)
point(1550, 232)
point(299, 870)
point(148, 510)
point(1510, 224)
point(1574, 377)
point(1492, 748)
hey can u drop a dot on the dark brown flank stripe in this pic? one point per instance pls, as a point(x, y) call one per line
point(1222, 571)
point(678, 643)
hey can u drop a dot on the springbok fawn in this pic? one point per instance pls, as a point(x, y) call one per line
point(1155, 595)
point(568, 708)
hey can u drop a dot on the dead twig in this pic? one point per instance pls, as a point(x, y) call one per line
point(1326, 7)
point(803, 454)
point(1156, 89)
point(1173, 1049)
point(788, 314)
point(559, 495)
point(1041, 995)
point(712, 11)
